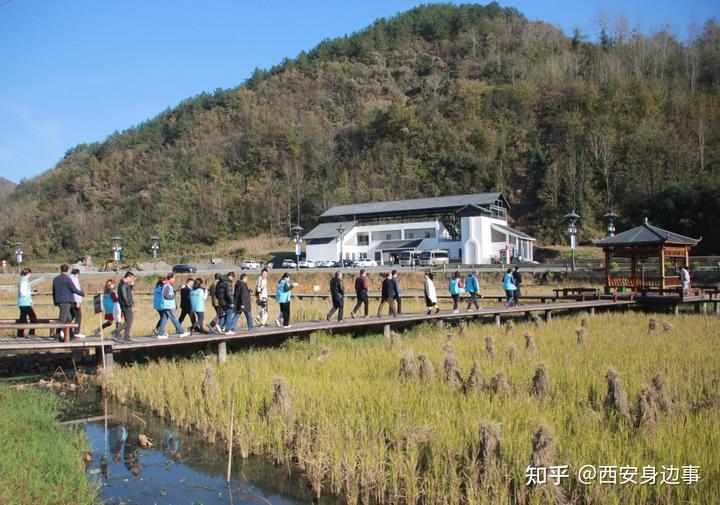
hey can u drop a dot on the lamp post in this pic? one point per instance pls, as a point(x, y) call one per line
point(155, 247)
point(117, 251)
point(340, 231)
point(18, 253)
point(611, 217)
point(297, 230)
point(572, 218)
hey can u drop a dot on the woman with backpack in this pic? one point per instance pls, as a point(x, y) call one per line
point(456, 289)
point(283, 293)
point(198, 295)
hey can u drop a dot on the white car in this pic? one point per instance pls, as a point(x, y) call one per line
point(289, 264)
point(306, 264)
point(326, 264)
point(365, 262)
point(250, 265)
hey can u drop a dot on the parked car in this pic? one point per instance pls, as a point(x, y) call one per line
point(250, 265)
point(326, 264)
point(306, 264)
point(344, 264)
point(184, 268)
point(365, 262)
point(289, 264)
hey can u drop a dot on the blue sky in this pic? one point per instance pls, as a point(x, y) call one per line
point(77, 70)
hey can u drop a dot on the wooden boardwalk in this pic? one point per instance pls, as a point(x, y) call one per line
point(109, 347)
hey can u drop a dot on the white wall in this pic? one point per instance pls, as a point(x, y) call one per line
point(474, 229)
point(322, 252)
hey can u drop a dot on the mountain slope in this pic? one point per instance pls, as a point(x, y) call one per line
point(6, 187)
point(439, 100)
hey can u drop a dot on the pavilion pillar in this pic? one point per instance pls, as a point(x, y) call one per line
point(661, 269)
point(607, 272)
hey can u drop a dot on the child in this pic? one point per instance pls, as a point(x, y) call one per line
point(198, 295)
point(111, 308)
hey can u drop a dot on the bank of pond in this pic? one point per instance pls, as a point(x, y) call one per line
point(438, 414)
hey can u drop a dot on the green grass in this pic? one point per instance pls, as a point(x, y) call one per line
point(356, 431)
point(40, 462)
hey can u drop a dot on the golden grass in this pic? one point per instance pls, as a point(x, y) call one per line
point(356, 431)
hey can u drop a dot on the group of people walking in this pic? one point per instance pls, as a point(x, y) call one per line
point(232, 300)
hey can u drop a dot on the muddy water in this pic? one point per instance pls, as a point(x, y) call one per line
point(179, 468)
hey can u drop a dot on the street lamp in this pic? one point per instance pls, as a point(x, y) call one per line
point(340, 231)
point(117, 251)
point(611, 217)
point(572, 218)
point(18, 253)
point(297, 230)
point(155, 247)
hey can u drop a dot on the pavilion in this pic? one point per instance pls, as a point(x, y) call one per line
point(648, 248)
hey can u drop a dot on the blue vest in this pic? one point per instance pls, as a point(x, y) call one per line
point(509, 283)
point(283, 293)
point(157, 297)
point(168, 304)
point(24, 285)
point(108, 303)
point(472, 285)
point(197, 300)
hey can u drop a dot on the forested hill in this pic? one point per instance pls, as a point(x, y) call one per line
point(439, 100)
point(6, 187)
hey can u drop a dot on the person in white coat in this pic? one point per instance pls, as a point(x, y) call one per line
point(261, 298)
point(430, 293)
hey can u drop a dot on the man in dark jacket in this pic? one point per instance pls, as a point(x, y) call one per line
point(224, 294)
point(387, 296)
point(242, 300)
point(125, 299)
point(396, 286)
point(185, 303)
point(337, 294)
point(361, 290)
point(63, 292)
point(517, 278)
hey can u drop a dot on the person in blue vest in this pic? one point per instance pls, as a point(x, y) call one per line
point(198, 295)
point(111, 308)
point(455, 290)
point(472, 287)
point(283, 293)
point(508, 284)
point(168, 309)
point(27, 313)
point(158, 302)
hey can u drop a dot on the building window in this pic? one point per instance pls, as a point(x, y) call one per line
point(497, 237)
point(363, 239)
point(378, 256)
point(420, 233)
point(378, 236)
point(362, 256)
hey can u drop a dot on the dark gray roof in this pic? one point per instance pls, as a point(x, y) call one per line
point(328, 230)
point(417, 206)
point(646, 234)
point(399, 244)
point(511, 231)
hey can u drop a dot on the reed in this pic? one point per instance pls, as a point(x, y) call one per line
point(356, 432)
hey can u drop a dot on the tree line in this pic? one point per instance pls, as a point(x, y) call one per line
point(439, 100)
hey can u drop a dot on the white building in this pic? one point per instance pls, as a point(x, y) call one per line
point(472, 228)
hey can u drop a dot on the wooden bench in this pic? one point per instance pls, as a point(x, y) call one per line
point(577, 292)
point(53, 327)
